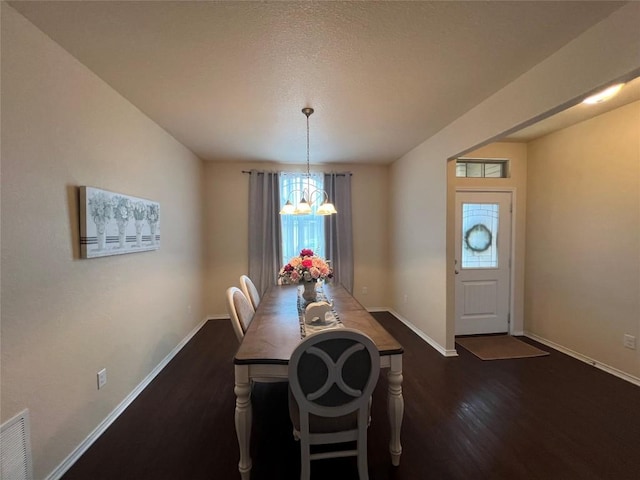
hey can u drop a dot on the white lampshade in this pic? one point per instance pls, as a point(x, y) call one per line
point(326, 208)
point(303, 208)
point(287, 209)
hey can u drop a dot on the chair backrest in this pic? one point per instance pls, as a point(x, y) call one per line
point(240, 311)
point(333, 373)
point(250, 291)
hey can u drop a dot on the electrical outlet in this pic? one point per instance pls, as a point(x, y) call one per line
point(102, 378)
point(365, 290)
point(629, 341)
point(405, 298)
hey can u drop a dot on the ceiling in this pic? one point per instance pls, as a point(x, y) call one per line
point(578, 113)
point(229, 79)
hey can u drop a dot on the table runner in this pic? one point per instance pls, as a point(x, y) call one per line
point(306, 329)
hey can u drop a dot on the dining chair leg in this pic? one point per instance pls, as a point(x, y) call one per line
point(305, 460)
point(363, 469)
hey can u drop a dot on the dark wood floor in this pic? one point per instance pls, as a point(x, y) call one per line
point(538, 418)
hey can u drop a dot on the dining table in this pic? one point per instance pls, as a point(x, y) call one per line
point(278, 327)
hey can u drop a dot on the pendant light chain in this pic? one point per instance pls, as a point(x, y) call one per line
point(308, 171)
point(304, 207)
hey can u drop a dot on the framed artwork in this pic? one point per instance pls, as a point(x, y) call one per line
point(114, 224)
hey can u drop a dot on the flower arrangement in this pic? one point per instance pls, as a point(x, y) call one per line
point(307, 267)
point(153, 213)
point(139, 211)
point(121, 209)
point(100, 208)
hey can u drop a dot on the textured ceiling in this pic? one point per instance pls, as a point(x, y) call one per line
point(229, 79)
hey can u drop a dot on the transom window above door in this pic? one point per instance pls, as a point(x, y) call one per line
point(482, 168)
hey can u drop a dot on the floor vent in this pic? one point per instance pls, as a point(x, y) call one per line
point(15, 448)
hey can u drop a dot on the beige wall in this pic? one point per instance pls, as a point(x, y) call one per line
point(516, 153)
point(227, 229)
point(64, 318)
point(583, 238)
point(418, 242)
point(422, 264)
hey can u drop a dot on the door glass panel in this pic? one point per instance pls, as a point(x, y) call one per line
point(480, 235)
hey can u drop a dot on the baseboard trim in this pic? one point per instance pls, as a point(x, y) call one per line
point(378, 309)
point(73, 457)
point(443, 351)
point(585, 359)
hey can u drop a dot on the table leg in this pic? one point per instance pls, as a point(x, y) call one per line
point(396, 407)
point(243, 418)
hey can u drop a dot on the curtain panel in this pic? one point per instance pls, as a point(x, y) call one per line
point(339, 230)
point(264, 229)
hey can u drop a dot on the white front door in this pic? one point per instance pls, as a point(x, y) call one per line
point(483, 254)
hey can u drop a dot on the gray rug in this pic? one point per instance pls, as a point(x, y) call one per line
point(499, 347)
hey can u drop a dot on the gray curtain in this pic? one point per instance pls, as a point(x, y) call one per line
point(338, 228)
point(264, 229)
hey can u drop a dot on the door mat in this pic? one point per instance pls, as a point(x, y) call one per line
point(499, 347)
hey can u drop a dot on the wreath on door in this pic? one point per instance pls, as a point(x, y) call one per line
point(478, 238)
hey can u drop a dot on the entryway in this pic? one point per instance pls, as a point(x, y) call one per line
point(483, 262)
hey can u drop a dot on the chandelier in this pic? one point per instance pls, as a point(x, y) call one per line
point(309, 196)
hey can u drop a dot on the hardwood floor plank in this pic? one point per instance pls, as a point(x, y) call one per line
point(534, 418)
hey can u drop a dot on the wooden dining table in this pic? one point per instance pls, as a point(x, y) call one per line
point(274, 333)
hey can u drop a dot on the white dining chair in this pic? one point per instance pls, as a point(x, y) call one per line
point(240, 311)
point(250, 291)
point(332, 375)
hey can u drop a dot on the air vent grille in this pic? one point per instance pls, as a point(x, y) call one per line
point(15, 448)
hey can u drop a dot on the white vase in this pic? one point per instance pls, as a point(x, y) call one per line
point(122, 227)
point(309, 293)
point(139, 225)
point(153, 226)
point(101, 234)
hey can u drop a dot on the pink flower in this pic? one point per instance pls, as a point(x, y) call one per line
point(318, 262)
point(305, 267)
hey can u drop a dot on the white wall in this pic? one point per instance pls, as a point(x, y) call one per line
point(422, 264)
point(583, 238)
point(227, 229)
point(64, 318)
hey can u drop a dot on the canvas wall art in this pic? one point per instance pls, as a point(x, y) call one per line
point(114, 224)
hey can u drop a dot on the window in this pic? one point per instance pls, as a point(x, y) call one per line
point(481, 168)
point(301, 231)
point(479, 231)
